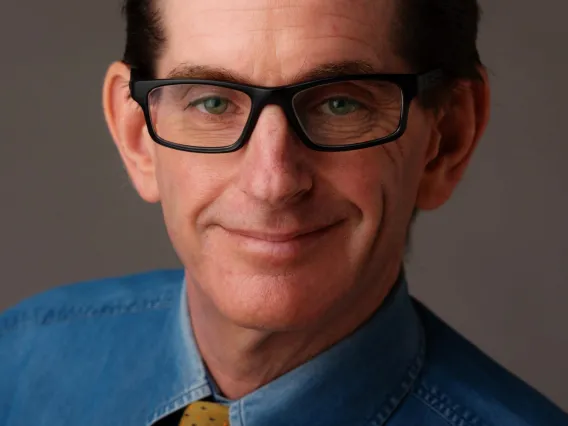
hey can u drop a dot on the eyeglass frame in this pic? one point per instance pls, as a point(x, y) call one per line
point(411, 85)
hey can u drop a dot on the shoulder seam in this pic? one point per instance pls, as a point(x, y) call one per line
point(405, 387)
point(44, 316)
point(39, 311)
point(440, 403)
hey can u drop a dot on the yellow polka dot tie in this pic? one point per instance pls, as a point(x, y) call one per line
point(205, 414)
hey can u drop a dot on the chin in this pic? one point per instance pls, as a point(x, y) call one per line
point(276, 303)
point(275, 286)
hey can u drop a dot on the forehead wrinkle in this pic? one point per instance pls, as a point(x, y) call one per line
point(273, 52)
point(346, 17)
point(257, 5)
point(353, 39)
point(264, 31)
point(265, 16)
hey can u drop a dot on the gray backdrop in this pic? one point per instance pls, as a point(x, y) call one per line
point(492, 262)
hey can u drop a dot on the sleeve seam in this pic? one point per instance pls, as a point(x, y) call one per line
point(441, 404)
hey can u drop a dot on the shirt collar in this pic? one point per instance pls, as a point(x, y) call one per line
point(359, 381)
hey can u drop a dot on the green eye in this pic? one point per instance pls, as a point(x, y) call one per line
point(340, 106)
point(214, 106)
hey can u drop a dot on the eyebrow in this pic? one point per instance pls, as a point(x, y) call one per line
point(330, 69)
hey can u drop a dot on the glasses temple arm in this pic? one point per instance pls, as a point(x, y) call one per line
point(430, 80)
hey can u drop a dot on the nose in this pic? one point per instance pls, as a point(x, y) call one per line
point(275, 170)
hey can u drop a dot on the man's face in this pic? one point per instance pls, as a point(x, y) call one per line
point(276, 235)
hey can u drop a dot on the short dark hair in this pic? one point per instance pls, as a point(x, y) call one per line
point(428, 34)
point(439, 34)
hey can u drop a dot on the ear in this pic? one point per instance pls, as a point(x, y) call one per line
point(460, 125)
point(127, 126)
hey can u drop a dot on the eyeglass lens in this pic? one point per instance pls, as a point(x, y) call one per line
point(340, 113)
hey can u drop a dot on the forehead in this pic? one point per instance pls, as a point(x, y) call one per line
point(272, 41)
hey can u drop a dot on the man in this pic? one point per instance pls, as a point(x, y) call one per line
point(289, 144)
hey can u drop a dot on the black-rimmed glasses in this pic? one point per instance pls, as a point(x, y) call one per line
point(332, 114)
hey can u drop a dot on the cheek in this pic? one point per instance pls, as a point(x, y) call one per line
point(188, 184)
point(360, 178)
point(403, 163)
point(382, 183)
point(365, 178)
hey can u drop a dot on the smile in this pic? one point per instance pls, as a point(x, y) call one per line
point(285, 246)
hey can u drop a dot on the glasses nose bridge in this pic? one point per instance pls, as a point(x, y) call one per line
point(279, 96)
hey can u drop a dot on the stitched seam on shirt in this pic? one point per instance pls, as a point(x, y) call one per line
point(405, 388)
point(441, 404)
point(241, 412)
point(184, 398)
point(41, 316)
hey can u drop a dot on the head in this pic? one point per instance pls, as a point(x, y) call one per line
point(276, 235)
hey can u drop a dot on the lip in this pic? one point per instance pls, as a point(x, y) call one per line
point(280, 237)
point(278, 248)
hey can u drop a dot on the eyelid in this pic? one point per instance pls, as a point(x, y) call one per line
point(231, 96)
point(319, 102)
point(202, 99)
point(341, 91)
point(209, 91)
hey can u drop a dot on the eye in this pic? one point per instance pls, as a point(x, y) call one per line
point(213, 105)
point(340, 106)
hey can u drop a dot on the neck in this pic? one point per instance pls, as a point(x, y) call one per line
point(242, 360)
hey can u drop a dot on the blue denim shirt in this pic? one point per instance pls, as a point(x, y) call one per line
point(121, 352)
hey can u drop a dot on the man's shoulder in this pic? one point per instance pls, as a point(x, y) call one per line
point(467, 387)
point(91, 299)
point(66, 345)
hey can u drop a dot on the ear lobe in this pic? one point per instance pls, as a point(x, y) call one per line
point(127, 126)
point(460, 127)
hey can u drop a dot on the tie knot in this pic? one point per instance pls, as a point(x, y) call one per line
point(205, 414)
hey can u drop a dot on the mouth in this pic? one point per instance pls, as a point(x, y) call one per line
point(280, 237)
point(279, 246)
